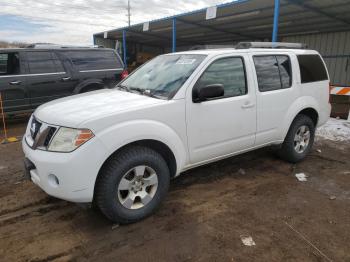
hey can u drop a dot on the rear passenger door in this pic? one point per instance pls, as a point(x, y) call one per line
point(96, 66)
point(13, 82)
point(276, 92)
point(47, 78)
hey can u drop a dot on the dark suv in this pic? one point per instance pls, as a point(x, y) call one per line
point(30, 77)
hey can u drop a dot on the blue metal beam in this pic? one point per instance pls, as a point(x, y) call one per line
point(174, 35)
point(275, 21)
point(124, 49)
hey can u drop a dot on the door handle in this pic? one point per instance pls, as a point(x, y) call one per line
point(15, 83)
point(248, 105)
point(64, 79)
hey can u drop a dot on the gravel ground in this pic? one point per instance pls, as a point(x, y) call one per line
point(207, 214)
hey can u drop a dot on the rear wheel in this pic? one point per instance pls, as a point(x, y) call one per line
point(299, 139)
point(132, 184)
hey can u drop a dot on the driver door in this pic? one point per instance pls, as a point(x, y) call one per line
point(223, 125)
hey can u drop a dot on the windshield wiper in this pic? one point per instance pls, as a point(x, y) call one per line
point(123, 87)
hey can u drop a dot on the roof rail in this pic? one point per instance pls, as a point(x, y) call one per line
point(56, 46)
point(245, 45)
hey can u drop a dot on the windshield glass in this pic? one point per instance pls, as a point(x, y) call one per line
point(163, 76)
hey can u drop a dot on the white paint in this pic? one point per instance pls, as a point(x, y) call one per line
point(211, 12)
point(301, 177)
point(247, 241)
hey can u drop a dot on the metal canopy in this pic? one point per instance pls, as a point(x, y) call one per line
point(241, 20)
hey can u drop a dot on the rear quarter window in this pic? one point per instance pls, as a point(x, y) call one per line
point(312, 68)
point(94, 59)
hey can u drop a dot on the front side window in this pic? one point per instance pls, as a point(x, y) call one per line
point(273, 72)
point(228, 72)
point(164, 75)
point(9, 64)
point(43, 62)
point(312, 68)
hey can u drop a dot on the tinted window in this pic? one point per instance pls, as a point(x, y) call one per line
point(285, 70)
point(43, 62)
point(9, 64)
point(312, 68)
point(273, 72)
point(94, 59)
point(226, 71)
point(267, 72)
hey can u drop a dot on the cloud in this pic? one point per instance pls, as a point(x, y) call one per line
point(75, 21)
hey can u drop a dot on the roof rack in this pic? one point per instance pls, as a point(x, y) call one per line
point(56, 46)
point(245, 45)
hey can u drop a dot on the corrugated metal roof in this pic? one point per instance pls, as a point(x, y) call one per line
point(242, 20)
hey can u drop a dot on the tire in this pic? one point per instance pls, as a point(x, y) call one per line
point(122, 170)
point(289, 149)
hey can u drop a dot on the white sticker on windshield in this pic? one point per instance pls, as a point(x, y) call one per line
point(185, 61)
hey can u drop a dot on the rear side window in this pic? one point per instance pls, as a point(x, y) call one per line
point(43, 62)
point(94, 59)
point(226, 71)
point(312, 68)
point(9, 64)
point(273, 72)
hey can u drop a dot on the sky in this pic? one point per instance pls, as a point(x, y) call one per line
point(74, 21)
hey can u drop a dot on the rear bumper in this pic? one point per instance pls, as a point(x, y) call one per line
point(68, 176)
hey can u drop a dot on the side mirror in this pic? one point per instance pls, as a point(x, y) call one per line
point(207, 92)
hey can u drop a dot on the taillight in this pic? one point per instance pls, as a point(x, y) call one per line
point(124, 74)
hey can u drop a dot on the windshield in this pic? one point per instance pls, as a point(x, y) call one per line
point(163, 76)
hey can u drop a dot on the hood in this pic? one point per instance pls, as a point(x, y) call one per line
point(72, 111)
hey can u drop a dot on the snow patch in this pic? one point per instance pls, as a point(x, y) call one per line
point(247, 241)
point(301, 177)
point(335, 130)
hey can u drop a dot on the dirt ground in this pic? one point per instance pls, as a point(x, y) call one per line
point(207, 212)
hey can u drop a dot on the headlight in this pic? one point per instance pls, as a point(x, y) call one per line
point(69, 139)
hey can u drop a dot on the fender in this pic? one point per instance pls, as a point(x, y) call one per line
point(298, 105)
point(86, 83)
point(128, 132)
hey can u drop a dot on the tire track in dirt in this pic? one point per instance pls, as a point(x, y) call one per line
point(34, 209)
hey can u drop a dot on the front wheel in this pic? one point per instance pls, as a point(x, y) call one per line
point(299, 139)
point(132, 184)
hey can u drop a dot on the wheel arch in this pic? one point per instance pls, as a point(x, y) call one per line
point(305, 105)
point(156, 145)
point(86, 83)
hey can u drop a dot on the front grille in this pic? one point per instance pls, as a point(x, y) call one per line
point(41, 134)
point(49, 136)
point(35, 126)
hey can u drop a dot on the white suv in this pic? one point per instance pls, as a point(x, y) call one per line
point(120, 147)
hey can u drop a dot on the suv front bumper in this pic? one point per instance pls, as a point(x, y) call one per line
point(68, 176)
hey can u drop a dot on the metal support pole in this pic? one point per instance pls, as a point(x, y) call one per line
point(174, 35)
point(124, 49)
point(275, 21)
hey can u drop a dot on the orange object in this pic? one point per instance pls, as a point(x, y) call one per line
point(3, 116)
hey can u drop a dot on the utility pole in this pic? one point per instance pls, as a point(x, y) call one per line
point(129, 14)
